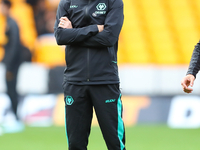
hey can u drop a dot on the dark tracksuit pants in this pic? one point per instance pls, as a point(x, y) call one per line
point(79, 103)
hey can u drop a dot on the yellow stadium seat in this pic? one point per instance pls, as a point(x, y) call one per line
point(47, 52)
point(159, 32)
point(24, 16)
point(3, 39)
point(184, 26)
point(132, 40)
point(159, 37)
point(1, 53)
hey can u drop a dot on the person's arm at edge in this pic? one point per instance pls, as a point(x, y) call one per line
point(194, 66)
point(193, 69)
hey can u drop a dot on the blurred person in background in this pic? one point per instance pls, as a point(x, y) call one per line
point(12, 60)
point(44, 16)
point(194, 67)
point(91, 29)
point(39, 9)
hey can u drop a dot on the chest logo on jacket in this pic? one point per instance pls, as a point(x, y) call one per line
point(101, 8)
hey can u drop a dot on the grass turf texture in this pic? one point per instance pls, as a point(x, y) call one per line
point(137, 138)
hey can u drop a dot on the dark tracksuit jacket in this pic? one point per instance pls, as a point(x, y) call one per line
point(194, 66)
point(91, 59)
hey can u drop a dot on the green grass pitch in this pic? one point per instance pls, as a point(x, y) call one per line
point(140, 137)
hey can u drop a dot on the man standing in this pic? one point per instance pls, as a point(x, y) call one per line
point(90, 31)
point(193, 69)
point(12, 61)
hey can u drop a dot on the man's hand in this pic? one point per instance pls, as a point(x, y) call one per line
point(186, 82)
point(100, 27)
point(65, 23)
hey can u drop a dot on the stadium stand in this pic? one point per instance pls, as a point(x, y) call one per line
point(3, 39)
point(154, 32)
point(166, 32)
point(158, 32)
point(1, 53)
point(133, 47)
point(184, 28)
point(23, 14)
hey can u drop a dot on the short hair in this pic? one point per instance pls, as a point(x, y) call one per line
point(7, 2)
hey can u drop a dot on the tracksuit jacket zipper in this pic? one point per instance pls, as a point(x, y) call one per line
point(88, 50)
point(88, 65)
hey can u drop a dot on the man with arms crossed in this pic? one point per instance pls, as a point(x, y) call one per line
point(90, 31)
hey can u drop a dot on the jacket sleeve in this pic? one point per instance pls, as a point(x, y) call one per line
point(194, 66)
point(112, 27)
point(74, 35)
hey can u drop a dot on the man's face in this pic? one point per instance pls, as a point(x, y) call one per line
point(4, 9)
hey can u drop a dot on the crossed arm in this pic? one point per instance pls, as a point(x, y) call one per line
point(66, 24)
point(93, 35)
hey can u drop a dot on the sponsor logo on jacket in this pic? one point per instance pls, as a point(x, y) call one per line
point(110, 101)
point(101, 8)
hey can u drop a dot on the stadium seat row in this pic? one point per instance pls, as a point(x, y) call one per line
point(159, 32)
